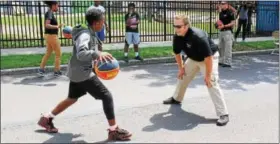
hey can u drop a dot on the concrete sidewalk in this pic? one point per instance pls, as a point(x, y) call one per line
point(41, 50)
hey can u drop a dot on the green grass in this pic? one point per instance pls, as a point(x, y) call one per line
point(20, 61)
point(247, 46)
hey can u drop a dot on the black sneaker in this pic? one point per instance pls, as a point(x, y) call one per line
point(139, 58)
point(125, 59)
point(171, 100)
point(223, 120)
point(57, 73)
point(41, 72)
point(226, 65)
point(119, 134)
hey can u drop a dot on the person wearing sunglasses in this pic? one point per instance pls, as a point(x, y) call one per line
point(203, 56)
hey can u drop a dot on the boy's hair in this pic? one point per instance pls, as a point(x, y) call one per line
point(131, 5)
point(50, 3)
point(93, 15)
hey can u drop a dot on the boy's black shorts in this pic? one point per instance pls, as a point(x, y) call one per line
point(93, 86)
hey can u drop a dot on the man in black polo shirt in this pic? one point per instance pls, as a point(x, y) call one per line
point(225, 34)
point(202, 56)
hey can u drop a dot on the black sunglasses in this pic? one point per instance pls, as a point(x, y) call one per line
point(178, 26)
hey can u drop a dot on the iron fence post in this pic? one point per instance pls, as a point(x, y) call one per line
point(210, 19)
point(164, 15)
point(109, 21)
point(41, 24)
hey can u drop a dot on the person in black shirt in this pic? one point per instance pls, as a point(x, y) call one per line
point(132, 36)
point(242, 13)
point(250, 13)
point(202, 56)
point(226, 16)
point(51, 37)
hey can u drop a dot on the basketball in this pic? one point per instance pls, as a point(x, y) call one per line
point(132, 23)
point(133, 20)
point(218, 23)
point(107, 70)
point(67, 32)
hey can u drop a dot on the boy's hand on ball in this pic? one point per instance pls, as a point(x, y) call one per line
point(104, 56)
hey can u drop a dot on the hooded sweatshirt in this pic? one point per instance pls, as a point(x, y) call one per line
point(84, 53)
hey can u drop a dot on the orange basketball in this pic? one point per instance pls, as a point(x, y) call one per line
point(107, 70)
point(67, 32)
point(218, 23)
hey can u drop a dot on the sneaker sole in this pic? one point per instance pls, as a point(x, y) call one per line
point(221, 124)
point(166, 103)
point(127, 138)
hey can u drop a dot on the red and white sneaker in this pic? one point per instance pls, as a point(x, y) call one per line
point(119, 135)
point(47, 123)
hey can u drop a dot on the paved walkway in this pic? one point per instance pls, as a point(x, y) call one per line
point(41, 50)
point(250, 88)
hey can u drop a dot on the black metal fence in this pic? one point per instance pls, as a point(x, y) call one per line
point(22, 22)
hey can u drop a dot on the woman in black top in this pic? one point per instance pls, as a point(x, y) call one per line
point(51, 37)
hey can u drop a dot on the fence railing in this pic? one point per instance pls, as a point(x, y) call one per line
point(22, 22)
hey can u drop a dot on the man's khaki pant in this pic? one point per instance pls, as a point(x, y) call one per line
point(225, 47)
point(191, 69)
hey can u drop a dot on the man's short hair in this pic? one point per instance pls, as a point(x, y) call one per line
point(50, 3)
point(223, 1)
point(93, 15)
point(185, 19)
point(131, 5)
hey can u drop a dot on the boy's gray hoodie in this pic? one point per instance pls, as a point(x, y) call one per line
point(84, 52)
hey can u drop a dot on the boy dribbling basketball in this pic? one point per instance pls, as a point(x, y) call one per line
point(83, 80)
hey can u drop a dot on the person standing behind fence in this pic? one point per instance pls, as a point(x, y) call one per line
point(132, 36)
point(101, 34)
point(250, 13)
point(226, 16)
point(51, 37)
point(242, 20)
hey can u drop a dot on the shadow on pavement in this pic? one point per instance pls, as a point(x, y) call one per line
point(176, 119)
point(246, 70)
point(46, 81)
point(62, 137)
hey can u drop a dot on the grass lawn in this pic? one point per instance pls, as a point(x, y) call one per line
point(19, 61)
